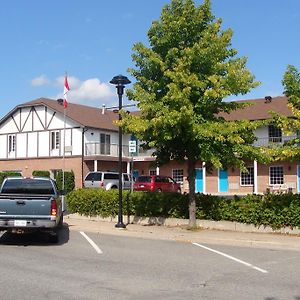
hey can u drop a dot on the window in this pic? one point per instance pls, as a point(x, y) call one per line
point(275, 134)
point(94, 176)
point(177, 175)
point(11, 143)
point(144, 179)
point(28, 185)
point(54, 173)
point(55, 140)
point(104, 143)
point(111, 176)
point(152, 172)
point(276, 175)
point(247, 178)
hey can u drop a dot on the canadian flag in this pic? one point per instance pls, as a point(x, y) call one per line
point(66, 90)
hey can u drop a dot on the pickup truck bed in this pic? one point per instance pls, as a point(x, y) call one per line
point(30, 204)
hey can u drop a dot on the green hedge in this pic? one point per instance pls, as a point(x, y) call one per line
point(7, 174)
point(269, 210)
point(41, 173)
point(69, 181)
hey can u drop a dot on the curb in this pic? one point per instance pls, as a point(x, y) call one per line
point(205, 224)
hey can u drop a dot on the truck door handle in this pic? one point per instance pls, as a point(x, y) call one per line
point(21, 202)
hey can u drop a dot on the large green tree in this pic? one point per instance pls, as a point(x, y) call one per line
point(289, 124)
point(182, 78)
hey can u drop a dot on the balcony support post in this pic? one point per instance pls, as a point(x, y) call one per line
point(255, 188)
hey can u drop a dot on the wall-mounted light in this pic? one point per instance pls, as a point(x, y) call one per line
point(289, 168)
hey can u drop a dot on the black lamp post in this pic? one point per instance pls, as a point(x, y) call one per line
point(119, 81)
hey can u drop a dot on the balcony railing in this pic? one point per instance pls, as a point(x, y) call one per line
point(92, 149)
point(273, 141)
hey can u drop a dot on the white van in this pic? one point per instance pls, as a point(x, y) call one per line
point(107, 180)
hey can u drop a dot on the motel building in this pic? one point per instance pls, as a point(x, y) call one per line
point(41, 135)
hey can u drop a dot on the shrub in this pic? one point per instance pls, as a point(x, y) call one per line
point(41, 173)
point(270, 210)
point(69, 181)
point(7, 174)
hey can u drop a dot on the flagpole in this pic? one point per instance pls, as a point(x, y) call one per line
point(66, 89)
point(64, 149)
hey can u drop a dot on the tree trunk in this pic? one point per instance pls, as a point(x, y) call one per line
point(192, 198)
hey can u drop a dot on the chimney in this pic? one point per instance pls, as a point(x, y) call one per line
point(103, 109)
point(60, 101)
point(268, 99)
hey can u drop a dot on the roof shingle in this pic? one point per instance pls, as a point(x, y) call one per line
point(85, 115)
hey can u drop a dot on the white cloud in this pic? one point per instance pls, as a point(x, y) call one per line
point(40, 81)
point(90, 91)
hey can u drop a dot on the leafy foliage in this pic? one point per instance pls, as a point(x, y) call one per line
point(7, 174)
point(181, 82)
point(41, 173)
point(69, 181)
point(290, 125)
point(272, 210)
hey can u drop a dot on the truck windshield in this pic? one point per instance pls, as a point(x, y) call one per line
point(28, 186)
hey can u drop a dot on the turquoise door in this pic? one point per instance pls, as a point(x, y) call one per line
point(298, 178)
point(223, 181)
point(135, 174)
point(199, 181)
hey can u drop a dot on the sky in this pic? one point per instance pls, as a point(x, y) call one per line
point(92, 41)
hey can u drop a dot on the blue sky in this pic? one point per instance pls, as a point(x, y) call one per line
point(92, 40)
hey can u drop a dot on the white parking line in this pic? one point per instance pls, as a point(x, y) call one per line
point(232, 258)
point(92, 243)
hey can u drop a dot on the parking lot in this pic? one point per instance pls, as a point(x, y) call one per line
point(93, 260)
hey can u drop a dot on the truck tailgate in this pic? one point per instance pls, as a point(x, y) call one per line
point(29, 206)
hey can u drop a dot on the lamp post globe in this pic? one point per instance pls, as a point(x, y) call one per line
point(120, 81)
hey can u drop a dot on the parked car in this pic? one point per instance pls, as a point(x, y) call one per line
point(107, 180)
point(156, 183)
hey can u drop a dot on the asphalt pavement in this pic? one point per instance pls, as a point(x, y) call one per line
point(180, 233)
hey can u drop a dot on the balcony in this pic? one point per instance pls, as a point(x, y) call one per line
point(273, 141)
point(112, 150)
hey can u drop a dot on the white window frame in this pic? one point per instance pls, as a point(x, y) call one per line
point(106, 145)
point(274, 134)
point(54, 172)
point(11, 143)
point(176, 176)
point(281, 179)
point(55, 140)
point(247, 177)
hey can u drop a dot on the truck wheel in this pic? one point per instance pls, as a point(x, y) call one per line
point(61, 222)
point(53, 238)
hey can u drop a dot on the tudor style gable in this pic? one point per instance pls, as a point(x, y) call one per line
point(37, 131)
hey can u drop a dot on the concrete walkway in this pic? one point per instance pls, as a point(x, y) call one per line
point(181, 234)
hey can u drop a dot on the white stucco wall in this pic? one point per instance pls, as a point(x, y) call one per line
point(44, 143)
point(21, 145)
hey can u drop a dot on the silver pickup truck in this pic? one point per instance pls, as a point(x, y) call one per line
point(30, 204)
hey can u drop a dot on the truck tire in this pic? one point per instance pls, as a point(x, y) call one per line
point(53, 238)
point(61, 222)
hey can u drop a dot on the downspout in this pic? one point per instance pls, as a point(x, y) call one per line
point(82, 153)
